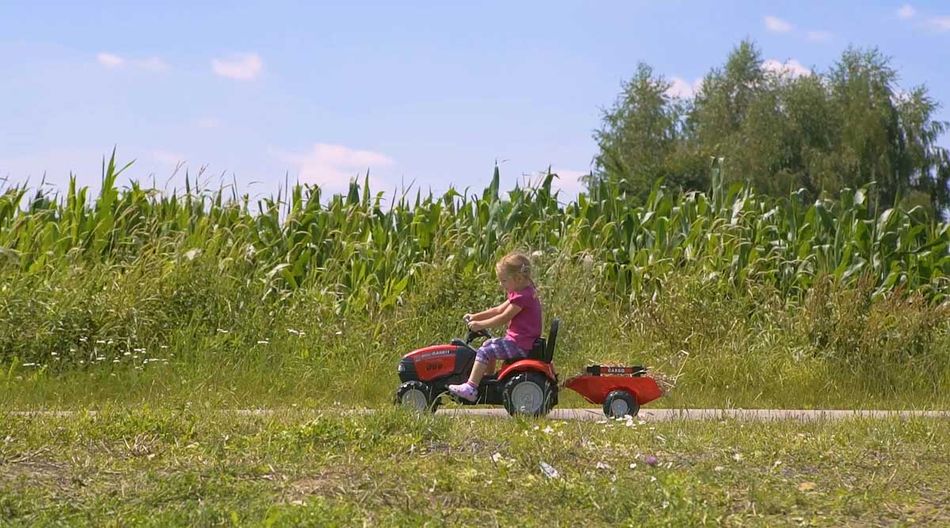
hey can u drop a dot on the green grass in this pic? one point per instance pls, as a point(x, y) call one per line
point(162, 312)
point(191, 467)
point(135, 297)
point(835, 351)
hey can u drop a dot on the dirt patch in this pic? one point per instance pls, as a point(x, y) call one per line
point(329, 482)
point(32, 471)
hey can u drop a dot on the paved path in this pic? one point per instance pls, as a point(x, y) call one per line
point(761, 415)
point(594, 414)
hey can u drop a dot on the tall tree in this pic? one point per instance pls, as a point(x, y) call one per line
point(640, 137)
point(888, 136)
point(781, 132)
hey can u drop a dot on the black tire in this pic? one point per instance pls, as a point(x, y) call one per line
point(418, 396)
point(528, 393)
point(620, 403)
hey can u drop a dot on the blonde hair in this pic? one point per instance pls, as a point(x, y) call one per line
point(514, 263)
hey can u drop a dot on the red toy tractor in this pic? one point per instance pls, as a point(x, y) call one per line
point(524, 386)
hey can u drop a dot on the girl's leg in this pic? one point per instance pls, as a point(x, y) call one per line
point(487, 354)
point(478, 372)
point(491, 366)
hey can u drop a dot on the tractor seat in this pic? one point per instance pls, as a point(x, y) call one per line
point(543, 349)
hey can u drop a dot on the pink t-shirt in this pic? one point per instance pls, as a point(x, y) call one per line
point(525, 327)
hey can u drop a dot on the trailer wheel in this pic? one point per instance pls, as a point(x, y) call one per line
point(417, 396)
point(620, 403)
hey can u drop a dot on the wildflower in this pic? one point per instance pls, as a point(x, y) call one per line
point(588, 262)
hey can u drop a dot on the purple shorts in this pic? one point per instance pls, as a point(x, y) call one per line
point(499, 348)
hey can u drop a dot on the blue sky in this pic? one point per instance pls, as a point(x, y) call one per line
point(431, 92)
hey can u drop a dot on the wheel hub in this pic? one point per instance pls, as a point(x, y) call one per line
point(527, 397)
point(415, 399)
point(619, 408)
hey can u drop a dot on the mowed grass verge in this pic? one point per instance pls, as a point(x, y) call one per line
point(391, 468)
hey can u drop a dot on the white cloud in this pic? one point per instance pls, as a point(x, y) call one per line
point(790, 67)
point(154, 64)
point(333, 166)
point(569, 181)
point(109, 60)
point(208, 122)
point(679, 87)
point(777, 25)
point(166, 157)
point(940, 23)
point(818, 36)
point(240, 66)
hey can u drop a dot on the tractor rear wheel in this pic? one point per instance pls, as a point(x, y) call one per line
point(528, 393)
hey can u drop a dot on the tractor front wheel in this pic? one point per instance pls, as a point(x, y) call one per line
point(417, 396)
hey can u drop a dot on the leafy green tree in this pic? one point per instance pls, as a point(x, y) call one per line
point(781, 132)
point(641, 139)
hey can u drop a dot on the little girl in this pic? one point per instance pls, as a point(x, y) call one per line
point(522, 310)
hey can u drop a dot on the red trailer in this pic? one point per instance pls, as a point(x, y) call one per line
point(621, 390)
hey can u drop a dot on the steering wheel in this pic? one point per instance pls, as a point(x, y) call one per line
point(475, 335)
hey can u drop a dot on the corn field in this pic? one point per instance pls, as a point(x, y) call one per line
point(366, 252)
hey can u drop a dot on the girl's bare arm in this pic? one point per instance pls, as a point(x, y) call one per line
point(502, 318)
point(491, 312)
